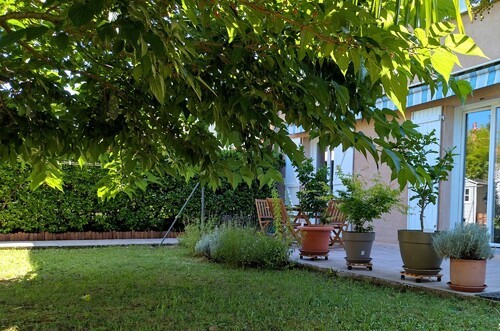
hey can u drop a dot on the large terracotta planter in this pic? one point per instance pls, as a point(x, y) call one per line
point(418, 253)
point(358, 246)
point(315, 240)
point(467, 275)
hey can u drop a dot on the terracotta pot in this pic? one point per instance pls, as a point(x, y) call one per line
point(315, 240)
point(468, 273)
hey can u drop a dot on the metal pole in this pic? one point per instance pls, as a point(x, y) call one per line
point(179, 214)
point(202, 204)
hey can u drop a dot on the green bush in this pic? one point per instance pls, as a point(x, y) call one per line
point(244, 247)
point(79, 209)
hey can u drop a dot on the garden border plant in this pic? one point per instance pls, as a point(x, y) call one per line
point(362, 204)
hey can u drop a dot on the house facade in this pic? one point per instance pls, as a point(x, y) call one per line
point(472, 193)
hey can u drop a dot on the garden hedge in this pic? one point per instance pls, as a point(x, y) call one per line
point(79, 209)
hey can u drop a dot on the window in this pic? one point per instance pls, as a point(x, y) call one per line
point(467, 195)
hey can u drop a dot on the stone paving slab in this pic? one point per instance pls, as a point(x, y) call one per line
point(85, 243)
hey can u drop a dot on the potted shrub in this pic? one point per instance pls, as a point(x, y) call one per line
point(417, 252)
point(314, 196)
point(468, 247)
point(362, 204)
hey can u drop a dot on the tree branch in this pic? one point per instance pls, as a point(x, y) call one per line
point(30, 15)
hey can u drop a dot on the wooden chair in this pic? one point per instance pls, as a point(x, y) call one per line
point(338, 220)
point(264, 214)
point(286, 219)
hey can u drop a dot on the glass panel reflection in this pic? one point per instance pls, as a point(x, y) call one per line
point(476, 167)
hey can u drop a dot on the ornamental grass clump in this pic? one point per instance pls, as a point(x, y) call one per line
point(466, 241)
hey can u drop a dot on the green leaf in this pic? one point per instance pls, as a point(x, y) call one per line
point(157, 87)
point(80, 14)
point(142, 184)
point(392, 159)
point(342, 94)
point(247, 175)
point(275, 175)
point(11, 38)
point(61, 40)
point(54, 182)
point(461, 88)
point(443, 62)
point(34, 32)
point(441, 29)
point(156, 43)
point(421, 36)
point(306, 38)
point(231, 32)
point(463, 44)
point(396, 87)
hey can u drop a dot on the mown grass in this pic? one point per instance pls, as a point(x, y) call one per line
point(143, 288)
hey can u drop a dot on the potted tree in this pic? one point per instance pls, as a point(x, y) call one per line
point(417, 252)
point(468, 247)
point(314, 196)
point(362, 204)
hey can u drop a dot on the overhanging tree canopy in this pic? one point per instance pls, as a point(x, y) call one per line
point(163, 86)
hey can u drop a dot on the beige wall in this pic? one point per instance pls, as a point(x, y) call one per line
point(486, 35)
point(386, 228)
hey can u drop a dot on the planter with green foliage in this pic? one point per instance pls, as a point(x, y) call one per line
point(417, 251)
point(468, 247)
point(361, 205)
point(314, 193)
point(314, 196)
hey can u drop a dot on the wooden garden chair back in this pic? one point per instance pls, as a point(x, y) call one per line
point(286, 219)
point(338, 220)
point(264, 214)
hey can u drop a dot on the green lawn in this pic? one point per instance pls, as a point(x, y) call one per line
point(142, 288)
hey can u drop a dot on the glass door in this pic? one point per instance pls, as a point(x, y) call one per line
point(477, 154)
point(481, 192)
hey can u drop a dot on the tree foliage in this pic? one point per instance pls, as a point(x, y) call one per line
point(477, 153)
point(162, 87)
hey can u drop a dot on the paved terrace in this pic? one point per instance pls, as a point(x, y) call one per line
point(387, 265)
point(386, 262)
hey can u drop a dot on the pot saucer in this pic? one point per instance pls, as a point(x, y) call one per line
point(466, 288)
point(358, 260)
point(429, 272)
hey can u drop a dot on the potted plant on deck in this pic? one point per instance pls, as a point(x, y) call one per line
point(362, 204)
point(417, 252)
point(314, 196)
point(468, 247)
